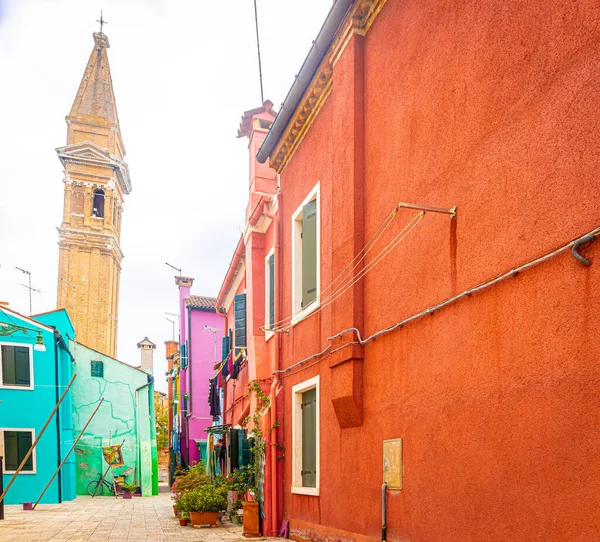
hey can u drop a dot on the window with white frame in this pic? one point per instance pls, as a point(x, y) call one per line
point(270, 292)
point(16, 443)
point(305, 437)
point(306, 258)
point(16, 366)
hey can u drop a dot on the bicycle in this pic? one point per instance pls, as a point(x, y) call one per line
point(94, 488)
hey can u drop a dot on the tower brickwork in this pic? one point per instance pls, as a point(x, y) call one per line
point(96, 179)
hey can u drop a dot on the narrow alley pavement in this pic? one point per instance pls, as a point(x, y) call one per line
point(107, 518)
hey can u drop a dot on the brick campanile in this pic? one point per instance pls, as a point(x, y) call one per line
point(96, 179)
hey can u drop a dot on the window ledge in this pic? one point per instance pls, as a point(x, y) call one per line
point(305, 313)
point(299, 490)
point(22, 472)
point(26, 388)
point(268, 335)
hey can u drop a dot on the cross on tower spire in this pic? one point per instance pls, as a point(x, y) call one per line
point(101, 21)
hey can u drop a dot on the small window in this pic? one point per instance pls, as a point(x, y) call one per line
point(16, 365)
point(98, 369)
point(239, 307)
point(270, 291)
point(98, 205)
point(16, 446)
point(305, 436)
point(306, 256)
point(225, 347)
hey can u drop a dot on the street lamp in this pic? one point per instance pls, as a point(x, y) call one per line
point(9, 329)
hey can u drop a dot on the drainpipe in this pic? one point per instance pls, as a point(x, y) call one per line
point(59, 481)
point(137, 426)
point(273, 409)
point(225, 332)
point(383, 512)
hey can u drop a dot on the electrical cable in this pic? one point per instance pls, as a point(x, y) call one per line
point(466, 293)
point(370, 243)
point(378, 258)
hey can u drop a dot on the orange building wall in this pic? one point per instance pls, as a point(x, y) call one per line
point(491, 108)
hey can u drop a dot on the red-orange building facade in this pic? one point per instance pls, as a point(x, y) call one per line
point(491, 108)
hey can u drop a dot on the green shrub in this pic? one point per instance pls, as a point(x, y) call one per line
point(193, 478)
point(205, 498)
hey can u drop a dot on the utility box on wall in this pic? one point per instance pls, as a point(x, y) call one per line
point(392, 463)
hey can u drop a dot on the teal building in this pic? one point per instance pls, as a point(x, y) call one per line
point(35, 368)
point(126, 418)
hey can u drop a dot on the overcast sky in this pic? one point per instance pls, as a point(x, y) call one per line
point(183, 73)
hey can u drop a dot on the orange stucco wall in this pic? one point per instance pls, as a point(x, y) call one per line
point(491, 107)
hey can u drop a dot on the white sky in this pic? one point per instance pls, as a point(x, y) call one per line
point(183, 73)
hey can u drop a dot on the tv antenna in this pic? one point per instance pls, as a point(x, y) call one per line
point(28, 286)
point(176, 268)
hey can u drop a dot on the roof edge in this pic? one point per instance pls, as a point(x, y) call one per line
point(311, 63)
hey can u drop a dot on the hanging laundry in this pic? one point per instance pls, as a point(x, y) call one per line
point(214, 399)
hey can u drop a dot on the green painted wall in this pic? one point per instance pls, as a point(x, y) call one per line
point(124, 418)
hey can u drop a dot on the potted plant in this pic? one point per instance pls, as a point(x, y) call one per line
point(128, 490)
point(236, 508)
point(184, 518)
point(205, 502)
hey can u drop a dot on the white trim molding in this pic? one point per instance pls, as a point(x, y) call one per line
point(299, 313)
point(15, 387)
point(268, 334)
point(3, 450)
point(297, 392)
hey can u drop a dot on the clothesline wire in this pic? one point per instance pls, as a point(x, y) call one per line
point(368, 246)
point(466, 293)
point(378, 258)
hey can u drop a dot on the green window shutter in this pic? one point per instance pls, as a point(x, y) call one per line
point(22, 369)
point(183, 355)
point(272, 291)
point(240, 319)
point(97, 369)
point(244, 456)
point(9, 375)
point(24, 445)
point(309, 253)
point(309, 438)
point(11, 450)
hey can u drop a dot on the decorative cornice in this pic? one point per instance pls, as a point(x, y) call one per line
point(358, 21)
point(90, 154)
point(98, 240)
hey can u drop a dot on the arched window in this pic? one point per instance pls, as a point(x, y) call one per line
point(98, 206)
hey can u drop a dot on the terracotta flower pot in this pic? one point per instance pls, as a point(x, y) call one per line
point(204, 518)
point(183, 521)
point(175, 511)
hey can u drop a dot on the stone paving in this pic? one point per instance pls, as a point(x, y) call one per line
point(107, 518)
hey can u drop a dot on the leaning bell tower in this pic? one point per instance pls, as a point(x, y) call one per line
point(96, 180)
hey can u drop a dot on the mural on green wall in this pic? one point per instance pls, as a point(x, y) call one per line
point(126, 417)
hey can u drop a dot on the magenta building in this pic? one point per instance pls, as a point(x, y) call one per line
point(199, 342)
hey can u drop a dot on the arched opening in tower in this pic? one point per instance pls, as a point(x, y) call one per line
point(98, 206)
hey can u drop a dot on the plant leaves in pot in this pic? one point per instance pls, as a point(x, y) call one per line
point(204, 503)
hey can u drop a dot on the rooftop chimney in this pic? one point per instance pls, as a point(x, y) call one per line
point(147, 347)
point(255, 126)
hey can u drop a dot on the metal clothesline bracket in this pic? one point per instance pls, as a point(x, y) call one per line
point(428, 209)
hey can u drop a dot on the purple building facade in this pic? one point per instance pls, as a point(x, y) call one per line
point(201, 333)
